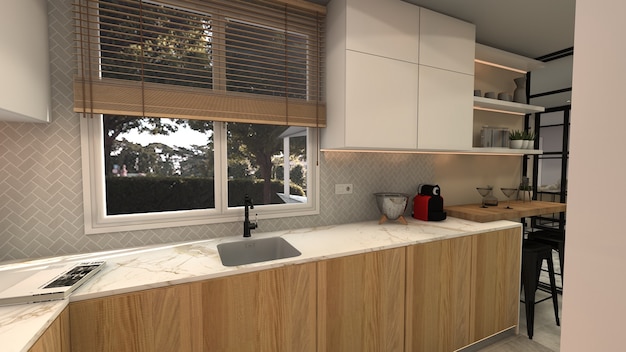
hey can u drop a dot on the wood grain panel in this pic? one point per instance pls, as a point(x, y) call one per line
point(162, 319)
point(474, 212)
point(176, 318)
point(271, 310)
point(361, 302)
point(438, 295)
point(448, 293)
point(57, 337)
point(496, 270)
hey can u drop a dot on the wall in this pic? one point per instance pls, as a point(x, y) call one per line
point(593, 301)
point(459, 175)
point(41, 201)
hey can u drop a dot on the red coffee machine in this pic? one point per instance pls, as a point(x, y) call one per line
point(428, 203)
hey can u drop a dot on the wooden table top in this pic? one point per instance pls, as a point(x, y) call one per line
point(520, 209)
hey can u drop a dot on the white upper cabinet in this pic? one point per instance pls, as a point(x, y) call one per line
point(388, 28)
point(445, 118)
point(24, 61)
point(446, 42)
point(446, 81)
point(382, 104)
point(376, 99)
point(371, 75)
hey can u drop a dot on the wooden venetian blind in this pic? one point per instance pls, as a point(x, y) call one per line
point(254, 61)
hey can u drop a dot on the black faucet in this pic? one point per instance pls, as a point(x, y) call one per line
point(247, 225)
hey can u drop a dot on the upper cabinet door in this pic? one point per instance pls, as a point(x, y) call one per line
point(445, 109)
point(446, 42)
point(381, 102)
point(388, 28)
point(24, 63)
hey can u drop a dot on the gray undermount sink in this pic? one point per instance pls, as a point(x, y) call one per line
point(255, 251)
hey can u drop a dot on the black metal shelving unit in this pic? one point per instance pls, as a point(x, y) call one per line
point(552, 136)
point(560, 157)
point(553, 123)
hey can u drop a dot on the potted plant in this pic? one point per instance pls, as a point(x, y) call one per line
point(517, 139)
point(529, 140)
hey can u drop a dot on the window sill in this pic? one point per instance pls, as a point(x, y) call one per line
point(120, 223)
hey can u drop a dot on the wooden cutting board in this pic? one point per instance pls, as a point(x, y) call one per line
point(519, 210)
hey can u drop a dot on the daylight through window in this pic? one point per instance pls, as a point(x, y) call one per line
point(175, 91)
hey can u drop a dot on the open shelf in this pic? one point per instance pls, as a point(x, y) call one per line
point(504, 151)
point(504, 106)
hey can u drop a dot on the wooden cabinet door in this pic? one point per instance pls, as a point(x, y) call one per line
point(270, 310)
point(495, 282)
point(438, 295)
point(162, 319)
point(361, 302)
point(57, 337)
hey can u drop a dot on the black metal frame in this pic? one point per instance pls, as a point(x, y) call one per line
point(554, 223)
point(545, 222)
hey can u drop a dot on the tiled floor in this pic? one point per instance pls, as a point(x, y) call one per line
point(546, 332)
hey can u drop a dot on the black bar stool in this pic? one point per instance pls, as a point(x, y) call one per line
point(556, 240)
point(533, 255)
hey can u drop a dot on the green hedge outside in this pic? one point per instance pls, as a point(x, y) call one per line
point(129, 195)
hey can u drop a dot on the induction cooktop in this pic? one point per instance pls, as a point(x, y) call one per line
point(51, 283)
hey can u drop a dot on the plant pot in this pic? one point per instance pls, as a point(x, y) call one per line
point(525, 143)
point(531, 144)
point(516, 144)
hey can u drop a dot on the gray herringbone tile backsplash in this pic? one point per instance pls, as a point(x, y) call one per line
point(41, 200)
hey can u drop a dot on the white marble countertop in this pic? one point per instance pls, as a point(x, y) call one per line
point(134, 269)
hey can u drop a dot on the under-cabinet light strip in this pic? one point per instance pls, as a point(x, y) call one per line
point(499, 66)
point(457, 152)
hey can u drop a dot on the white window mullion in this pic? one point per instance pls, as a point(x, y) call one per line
point(221, 166)
point(286, 167)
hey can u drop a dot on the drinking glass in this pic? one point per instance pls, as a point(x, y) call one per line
point(508, 192)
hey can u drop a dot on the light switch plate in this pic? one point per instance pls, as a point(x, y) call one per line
point(343, 188)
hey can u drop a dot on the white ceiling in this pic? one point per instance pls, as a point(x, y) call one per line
point(531, 28)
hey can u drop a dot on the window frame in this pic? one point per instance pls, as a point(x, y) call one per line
point(94, 199)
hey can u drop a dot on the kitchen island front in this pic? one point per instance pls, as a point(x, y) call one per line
point(158, 274)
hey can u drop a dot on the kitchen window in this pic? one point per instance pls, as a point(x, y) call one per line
point(189, 106)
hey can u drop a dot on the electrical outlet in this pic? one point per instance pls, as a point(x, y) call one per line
point(343, 188)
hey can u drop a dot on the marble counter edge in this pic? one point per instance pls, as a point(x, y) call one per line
point(26, 323)
point(293, 237)
point(380, 237)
